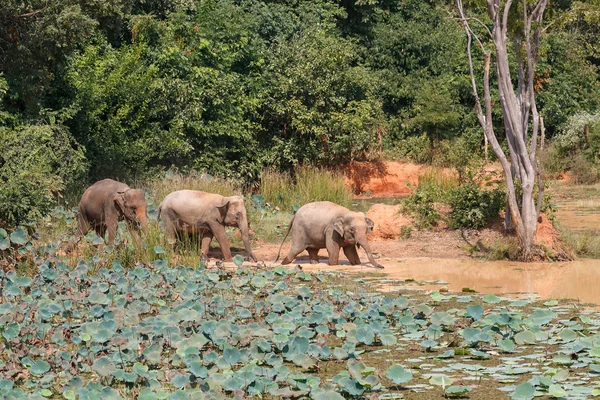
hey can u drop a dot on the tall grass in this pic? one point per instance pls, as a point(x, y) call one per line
point(308, 185)
point(160, 187)
point(584, 244)
point(439, 182)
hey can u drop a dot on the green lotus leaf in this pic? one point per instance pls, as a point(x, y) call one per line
point(524, 391)
point(457, 391)
point(140, 370)
point(11, 330)
point(525, 337)
point(568, 335)
point(23, 281)
point(232, 355)
point(398, 374)
point(180, 380)
point(557, 391)
point(159, 250)
point(351, 386)
point(440, 380)
point(39, 367)
point(103, 366)
point(475, 312)
point(19, 236)
point(238, 260)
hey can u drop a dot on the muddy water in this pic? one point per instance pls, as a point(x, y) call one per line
point(579, 280)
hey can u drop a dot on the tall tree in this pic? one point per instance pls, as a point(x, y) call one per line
point(520, 24)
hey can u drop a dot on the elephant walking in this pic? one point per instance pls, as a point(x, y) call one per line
point(324, 224)
point(104, 204)
point(205, 214)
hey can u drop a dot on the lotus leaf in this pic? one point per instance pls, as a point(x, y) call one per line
point(39, 367)
point(457, 391)
point(557, 391)
point(440, 380)
point(19, 236)
point(398, 374)
point(525, 337)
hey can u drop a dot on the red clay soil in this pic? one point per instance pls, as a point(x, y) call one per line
point(383, 179)
point(388, 221)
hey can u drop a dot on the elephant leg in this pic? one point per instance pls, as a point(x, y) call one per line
point(351, 254)
point(111, 227)
point(168, 226)
point(206, 239)
point(333, 250)
point(100, 231)
point(293, 253)
point(313, 255)
point(83, 227)
point(218, 231)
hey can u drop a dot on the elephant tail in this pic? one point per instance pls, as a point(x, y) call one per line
point(159, 211)
point(285, 237)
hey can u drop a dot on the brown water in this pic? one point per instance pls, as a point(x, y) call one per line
point(578, 280)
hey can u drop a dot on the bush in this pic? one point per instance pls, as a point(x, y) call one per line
point(36, 164)
point(420, 206)
point(473, 207)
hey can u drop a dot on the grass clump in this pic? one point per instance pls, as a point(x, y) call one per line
point(584, 244)
point(286, 192)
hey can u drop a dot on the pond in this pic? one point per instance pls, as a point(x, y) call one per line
point(568, 280)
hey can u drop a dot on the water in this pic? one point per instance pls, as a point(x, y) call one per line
point(576, 280)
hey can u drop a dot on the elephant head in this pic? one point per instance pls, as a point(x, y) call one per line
point(353, 229)
point(131, 204)
point(233, 213)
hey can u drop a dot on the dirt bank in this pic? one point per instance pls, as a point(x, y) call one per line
point(383, 179)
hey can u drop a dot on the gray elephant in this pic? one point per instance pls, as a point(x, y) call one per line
point(207, 215)
point(104, 204)
point(324, 224)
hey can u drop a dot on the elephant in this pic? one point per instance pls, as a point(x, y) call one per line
point(104, 204)
point(324, 224)
point(205, 214)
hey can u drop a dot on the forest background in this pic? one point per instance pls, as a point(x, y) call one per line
point(126, 89)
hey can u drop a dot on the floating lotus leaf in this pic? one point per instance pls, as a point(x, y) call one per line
point(475, 312)
point(524, 391)
point(525, 337)
point(491, 298)
point(11, 330)
point(238, 260)
point(104, 366)
point(19, 236)
point(457, 391)
point(39, 367)
point(4, 240)
point(398, 374)
point(180, 380)
point(440, 380)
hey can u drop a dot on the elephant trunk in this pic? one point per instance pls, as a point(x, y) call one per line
point(244, 229)
point(142, 219)
point(362, 242)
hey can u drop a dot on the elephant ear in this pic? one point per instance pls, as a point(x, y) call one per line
point(370, 225)
point(223, 208)
point(119, 200)
point(338, 226)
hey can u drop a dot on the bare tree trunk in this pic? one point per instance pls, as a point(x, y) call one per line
point(519, 110)
point(543, 132)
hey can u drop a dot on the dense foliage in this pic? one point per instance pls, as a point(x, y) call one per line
point(229, 87)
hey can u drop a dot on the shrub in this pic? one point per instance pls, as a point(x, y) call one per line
point(420, 206)
point(36, 164)
point(473, 207)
